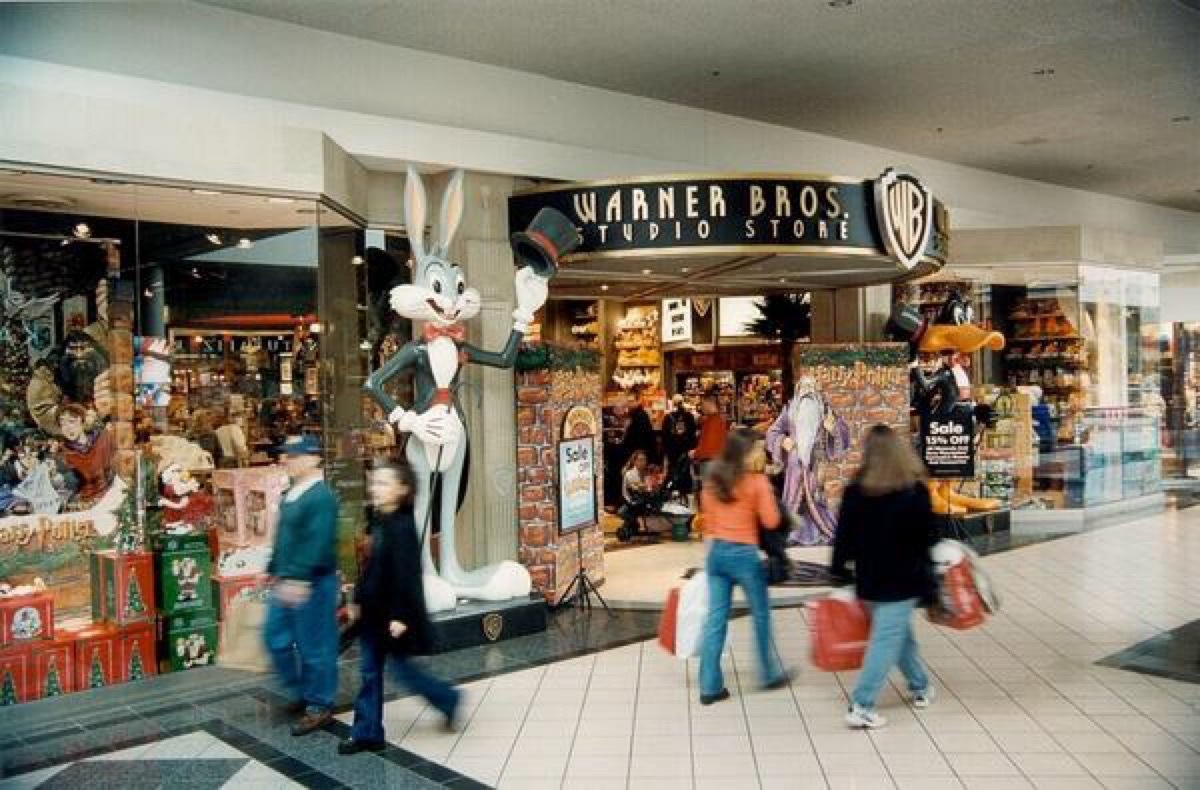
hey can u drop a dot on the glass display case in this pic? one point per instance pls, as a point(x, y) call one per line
point(1083, 355)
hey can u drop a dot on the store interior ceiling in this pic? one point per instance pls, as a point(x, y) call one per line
point(1099, 95)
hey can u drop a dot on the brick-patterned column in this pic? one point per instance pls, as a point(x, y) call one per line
point(543, 399)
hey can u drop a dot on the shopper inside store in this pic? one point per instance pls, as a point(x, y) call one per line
point(573, 395)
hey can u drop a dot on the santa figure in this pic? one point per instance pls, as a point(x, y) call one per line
point(184, 506)
point(806, 434)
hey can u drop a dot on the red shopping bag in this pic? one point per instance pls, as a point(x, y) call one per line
point(840, 628)
point(958, 603)
point(670, 618)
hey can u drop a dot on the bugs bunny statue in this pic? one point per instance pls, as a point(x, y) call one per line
point(437, 448)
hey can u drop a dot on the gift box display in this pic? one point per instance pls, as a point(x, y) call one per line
point(53, 668)
point(14, 674)
point(188, 641)
point(24, 618)
point(227, 589)
point(185, 578)
point(135, 653)
point(122, 587)
point(96, 656)
point(255, 494)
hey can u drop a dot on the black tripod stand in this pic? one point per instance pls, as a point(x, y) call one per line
point(582, 588)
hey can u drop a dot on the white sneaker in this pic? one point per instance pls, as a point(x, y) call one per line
point(923, 699)
point(862, 719)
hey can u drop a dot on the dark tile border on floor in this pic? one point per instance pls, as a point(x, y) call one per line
point(1173, 654)
point(247, 744)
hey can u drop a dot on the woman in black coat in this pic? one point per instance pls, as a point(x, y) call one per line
point(885, 530)
point(389, 602)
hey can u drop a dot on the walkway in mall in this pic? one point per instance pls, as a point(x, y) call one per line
point(1023, 703)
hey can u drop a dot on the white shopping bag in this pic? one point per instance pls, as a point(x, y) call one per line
point(693, 608)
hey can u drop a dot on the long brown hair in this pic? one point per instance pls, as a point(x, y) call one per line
point(725, 474)
point(889, 463)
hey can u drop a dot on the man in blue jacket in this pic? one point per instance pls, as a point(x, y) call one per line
point(301, 628)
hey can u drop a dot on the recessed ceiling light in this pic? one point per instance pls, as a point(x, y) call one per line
point(1181, 119)
point(82, 231)
point(1043, 72)
point(213, 239)
point(716, 72)
point(783, 279)
point(365, 345)
point(840, 3)
point(604, 287)
point(280, 200)
point(206, 192)
point(686, 269)
point(357, 260)
point(315, 328)
point(244, 244)
point(647, 271)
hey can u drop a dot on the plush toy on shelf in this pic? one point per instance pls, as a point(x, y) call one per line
point(185, 506)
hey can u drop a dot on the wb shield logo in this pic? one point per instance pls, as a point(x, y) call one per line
point(904, 210)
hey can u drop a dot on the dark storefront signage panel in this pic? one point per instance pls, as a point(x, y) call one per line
point(745, 215)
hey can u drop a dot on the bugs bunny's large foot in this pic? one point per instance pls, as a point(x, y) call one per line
point(500, 582)
point(439, 594)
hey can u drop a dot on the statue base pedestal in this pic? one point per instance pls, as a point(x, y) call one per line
point(482, 622)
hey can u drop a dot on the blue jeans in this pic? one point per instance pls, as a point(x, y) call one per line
point(892, 644)
point(368, 706)
point(728, 564)
point(309, 630)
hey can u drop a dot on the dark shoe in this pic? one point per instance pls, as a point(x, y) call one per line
point(709, 699)
point(295, 708)
point(353, 746)
point(311, 722)
point(780, 682)
point(451, 723)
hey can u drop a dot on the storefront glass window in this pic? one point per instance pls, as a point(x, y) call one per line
point(188, 327)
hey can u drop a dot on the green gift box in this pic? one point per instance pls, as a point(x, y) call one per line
point(188, 641)
point(164, 543)
point(185, 581)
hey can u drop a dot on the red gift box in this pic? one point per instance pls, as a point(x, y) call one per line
point(14, 675)
point(122, 587)
point(26, 617)
point(96, 657)
point(136, 652)
point(227, 589)
point(53, 668)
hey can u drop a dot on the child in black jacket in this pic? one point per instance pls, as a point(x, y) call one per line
point(390, 604)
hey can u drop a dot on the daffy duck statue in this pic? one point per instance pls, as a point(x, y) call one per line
point(945, 391)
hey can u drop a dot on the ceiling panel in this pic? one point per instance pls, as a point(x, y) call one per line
point(1075, 92)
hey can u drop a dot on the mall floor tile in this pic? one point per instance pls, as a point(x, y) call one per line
point(1058, 690)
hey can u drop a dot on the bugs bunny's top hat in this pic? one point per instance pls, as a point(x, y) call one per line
point(550, 236)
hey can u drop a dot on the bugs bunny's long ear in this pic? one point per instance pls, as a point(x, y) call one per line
point(452, 212)
point(414, 212)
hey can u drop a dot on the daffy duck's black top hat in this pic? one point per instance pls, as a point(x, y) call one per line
point(550, 236)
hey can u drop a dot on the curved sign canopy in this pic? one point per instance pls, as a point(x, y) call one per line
point(777, 229)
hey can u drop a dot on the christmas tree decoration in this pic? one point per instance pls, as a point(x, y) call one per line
point(133, 598)
point(130, 537)
point(53, 687)
point(136, 670)
point(8, 691)
point(96, 679)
